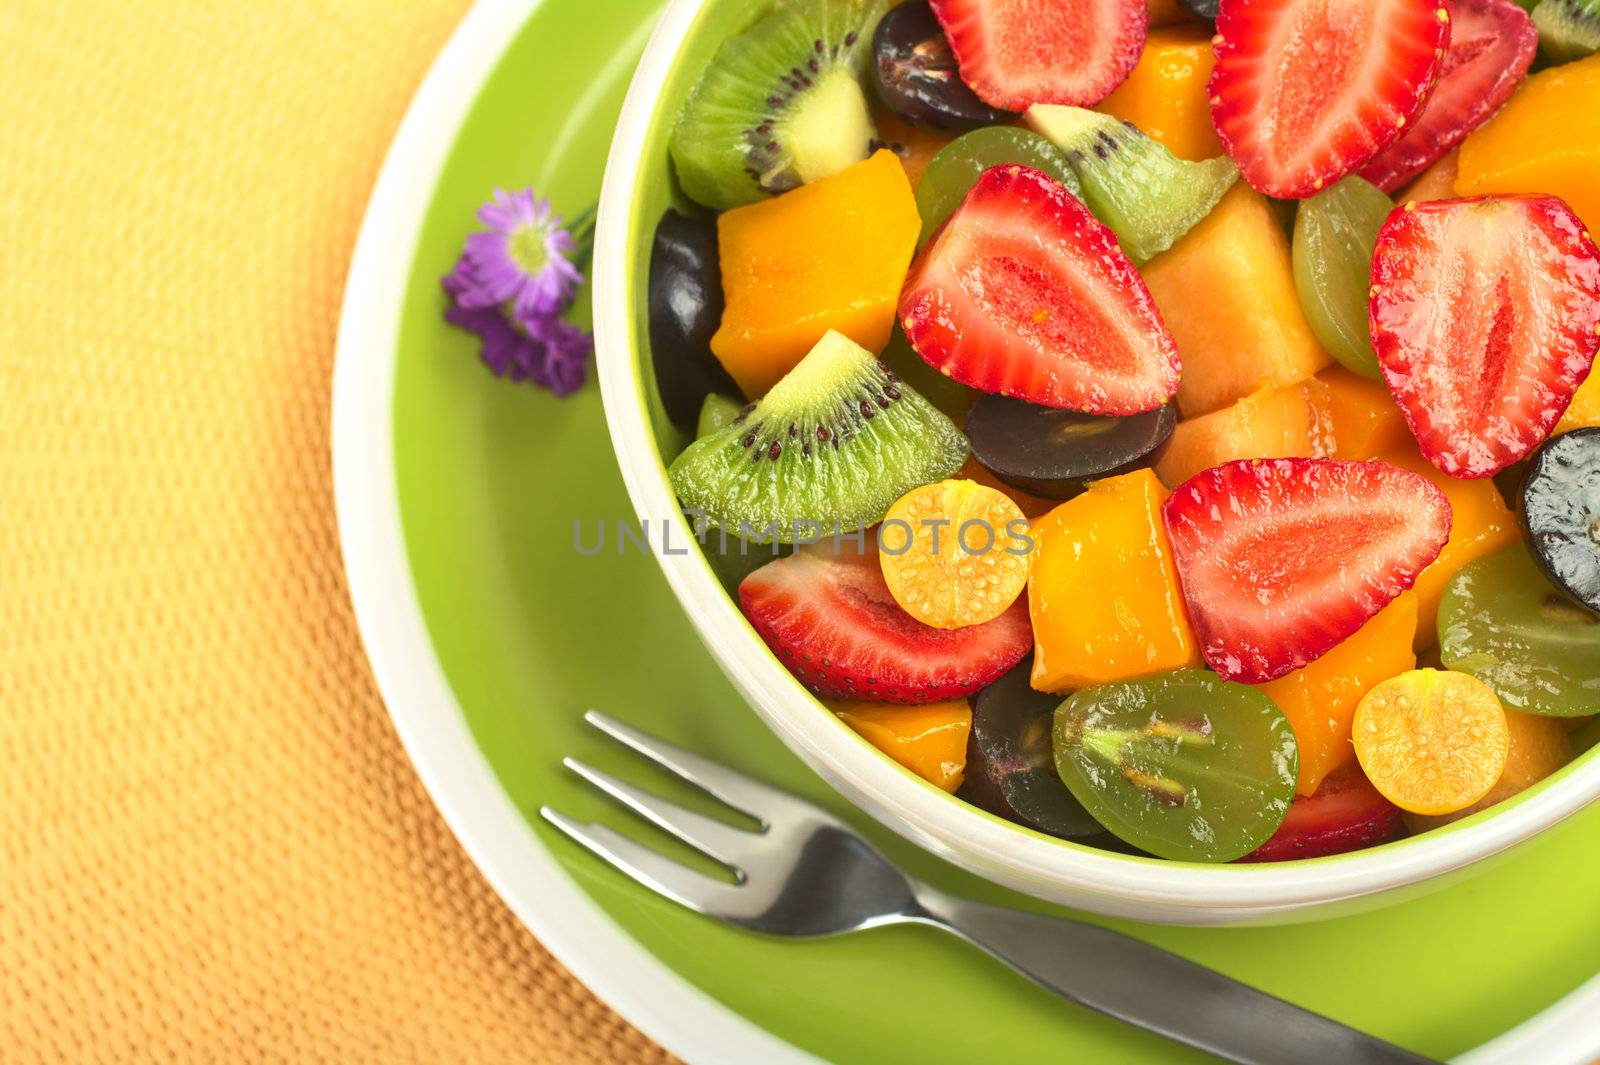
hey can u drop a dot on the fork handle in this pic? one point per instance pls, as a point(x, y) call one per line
point(1154, 989)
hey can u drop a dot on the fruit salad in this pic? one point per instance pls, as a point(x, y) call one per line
point(1170, 428)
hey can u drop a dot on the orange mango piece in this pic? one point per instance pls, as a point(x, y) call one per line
point(1480, 523)
point(1103, 594)
point(915, 147)
point(1226, 291)
point(828, 255)
point(1585, 407)
point(1357, 418)
point(1432, 741)
point(1545, 140)
point(1269, 424)
point(1438, 182)
point(1166, 94)
point(1320, 699)
point(929, 740)
point(1538, 747)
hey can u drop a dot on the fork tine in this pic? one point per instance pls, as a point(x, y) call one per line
point(711, 837)
point(660, 874)
point(748, 796)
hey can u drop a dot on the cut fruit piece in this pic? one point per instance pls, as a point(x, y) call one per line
point(1320, 699)
point(1282, 560)
point(1103, 594)
point(1032, 506)
point(1356, 418)
point(1504, 623)
point(951, 397)
point(831, 621)
point(1272, 423)
point(829, 256)
point(1438, 182)
point(779, 105)
point(1334, 232)
point(1183, 765)
point(829, 448)
point(930, 741)
point(1561, 513)
point(954, 553)
point(1024, 293)
point(1546, 140)
point(716, 413)
point(1206, 9)
point(1056, 453)
point(1306, 91)
point(915, 147)
point(1480, 523)
point(1347, 813)
point(1584, 411)
point(1167, 96)
point(1537, 747)
point(1568, 29)
point(1171, 13)
point(1492, 44)
point(1486, 318)
point(685, 306)
point(1226, 290)
point(1433, 742)
point(959, 165)
point(914, 73)
point(1148, 196)
point(1020, 52)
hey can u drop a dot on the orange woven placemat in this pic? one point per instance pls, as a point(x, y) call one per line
point(212, 847)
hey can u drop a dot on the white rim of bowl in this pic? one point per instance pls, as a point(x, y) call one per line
point(962, 835)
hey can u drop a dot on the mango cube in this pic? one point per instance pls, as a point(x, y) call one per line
point(930, 740)
point(1166, 94)
point(1357, 418)
point(1585, 408)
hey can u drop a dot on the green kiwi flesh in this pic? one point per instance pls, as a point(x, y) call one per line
point(716, 412)
point(780, 104)
point(1568, 29)
point(1146, 195)
point(830, 447)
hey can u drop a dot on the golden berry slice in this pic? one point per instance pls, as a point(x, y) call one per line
point(954, 553)
point(1432, 741)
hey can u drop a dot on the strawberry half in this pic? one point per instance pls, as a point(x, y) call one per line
point(831, 620)
point(1025, 293)
point(1492, 44)
point(1305, 91)
point(1485, 315)
point(1346, 814)
point(1281, 559)
point(1014, 53)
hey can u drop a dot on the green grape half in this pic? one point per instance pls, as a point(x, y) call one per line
point(1334, 232)
point(961, 162)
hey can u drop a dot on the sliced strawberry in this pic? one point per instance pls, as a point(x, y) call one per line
point(1014, 53)
point(1485, 316)
point(1492, 43)
point(1023, 292)
point(1346, 814)
point(1281, 559)
point(831, 620)
point(1305, 91)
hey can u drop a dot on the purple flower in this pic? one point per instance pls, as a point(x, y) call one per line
point(553, 355)
point(522, 261)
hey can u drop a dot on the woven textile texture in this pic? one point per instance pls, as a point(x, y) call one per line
point(212, 847)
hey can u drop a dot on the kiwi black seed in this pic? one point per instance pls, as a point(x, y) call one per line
point(831, 446)
point(779, 105)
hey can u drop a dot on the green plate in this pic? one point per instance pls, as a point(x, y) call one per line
point(490, 616)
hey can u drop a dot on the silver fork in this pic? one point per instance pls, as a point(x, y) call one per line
point(803, 872)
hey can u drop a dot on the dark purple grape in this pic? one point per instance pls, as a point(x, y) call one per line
point(685, 302)
point(1010, 765)
point(1206, 9)
point(1561, 513)
point(915, 75)
point(1054, 453)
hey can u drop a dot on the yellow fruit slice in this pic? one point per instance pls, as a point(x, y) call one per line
point(954, 553)
point(930, 740)
point(1432, 741)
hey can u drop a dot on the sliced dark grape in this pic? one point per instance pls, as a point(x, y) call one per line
point(685, 309)
point(1206, 9)
point(1010, 761)
point(1054, 453)
point(915, 75)
point(1561, 513)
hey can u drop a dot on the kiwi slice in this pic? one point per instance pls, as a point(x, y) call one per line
point(780, 104)
point(716, 412)
point(832, 445)
point(1568, 29)
point(1145, 194)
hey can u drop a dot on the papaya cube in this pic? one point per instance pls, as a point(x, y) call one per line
point(828, 255)
point(1545, 140)
point(1320, 699)
point(1272, 423)
point(929, 740)
point(1585, 408)
point(1103, 593)
point(1480, 523)
point(1226, 291)
point(1166, 94)
point(1539, 746)
point(1357, 418)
